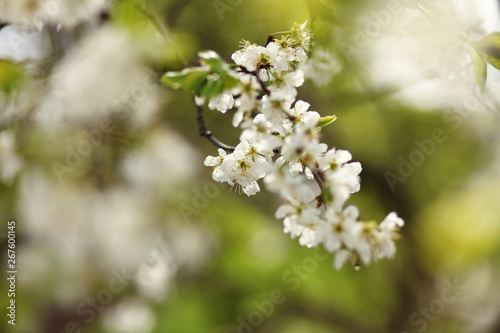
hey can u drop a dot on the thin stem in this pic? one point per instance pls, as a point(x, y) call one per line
point(316, 174)
point(318, 179)
point(270, 39)
point(256, 74)
point(162, 30)
point(280, 33)
point(208, 134)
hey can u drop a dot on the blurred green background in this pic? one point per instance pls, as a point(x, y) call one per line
point(450, 202)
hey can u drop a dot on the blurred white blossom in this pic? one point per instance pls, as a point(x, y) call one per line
point(113, 227)
point(155, 274)
point(37, 13)
point(19, 45)
point(426, 51)
point(165, 159)
point(102, 77)
point(322, 67)
point(129, 316)
point(477, 305)
point(10, 162)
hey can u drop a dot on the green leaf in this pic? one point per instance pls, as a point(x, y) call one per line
point(208, 80)
point(190, 80)
point(229, 80)
point(326, 196)
point(10, 75)
point(213, 87)
point(479, 68)
point(324, 121)
point(212, 59)
point(489, 48)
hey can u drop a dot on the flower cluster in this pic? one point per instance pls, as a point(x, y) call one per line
point(280, 143)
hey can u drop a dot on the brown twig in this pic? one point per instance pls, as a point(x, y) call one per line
point(208, 134)
point(318, 179)
point(256, 75)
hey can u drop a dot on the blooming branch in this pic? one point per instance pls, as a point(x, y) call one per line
point(280, 143)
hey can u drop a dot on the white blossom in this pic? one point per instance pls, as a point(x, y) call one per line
point(280, 142)
point(216, 162)
point(247, 100)
point(222, 102)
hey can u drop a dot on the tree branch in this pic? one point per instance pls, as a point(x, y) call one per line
point(318, 179)
point(208, 134)
point(318, 175)
point(256, 75)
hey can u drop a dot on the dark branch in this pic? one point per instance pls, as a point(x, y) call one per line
point(318, 179)
point(104, 17)
point(270, 39)
point(208, 134)
point(318, 175)
point(256, 75)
